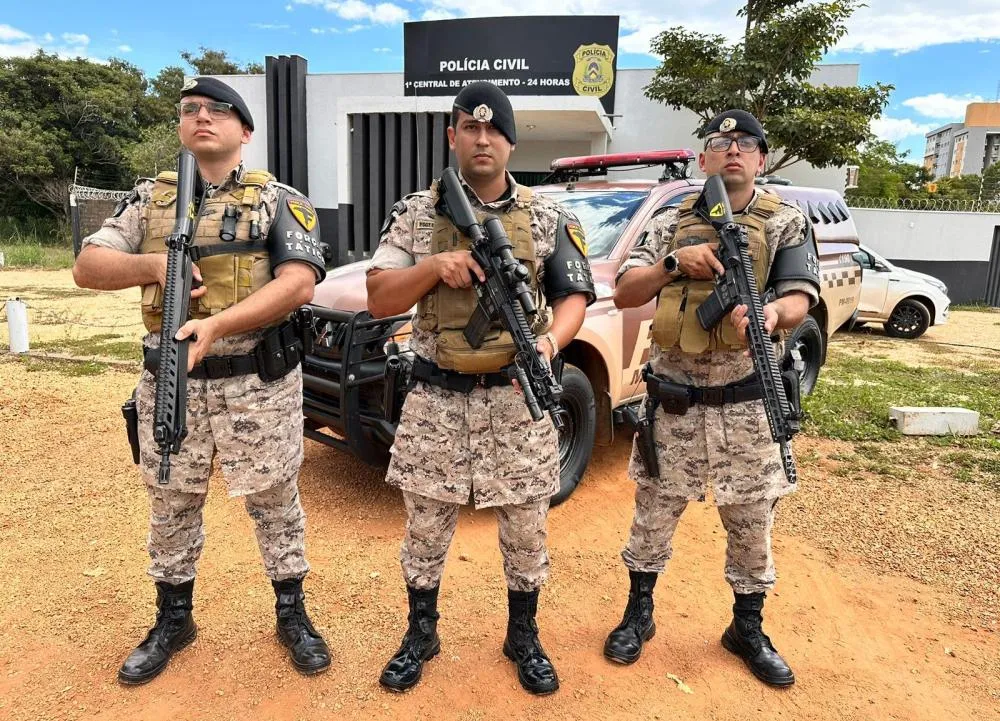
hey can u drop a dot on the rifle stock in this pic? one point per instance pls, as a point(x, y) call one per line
point(170, 409)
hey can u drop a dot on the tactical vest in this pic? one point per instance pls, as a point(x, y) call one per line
point(229, 277)
point(675, 322)
point(445, 311)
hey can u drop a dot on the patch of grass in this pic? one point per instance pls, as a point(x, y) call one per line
point(34, 231)
point(852, 398)
point(37, 256)
point(71, 369)
point(43, 292)
point(104, 345)
point(977, 306)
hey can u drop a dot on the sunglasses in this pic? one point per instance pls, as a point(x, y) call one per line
point(216, 110)
point(722, 143)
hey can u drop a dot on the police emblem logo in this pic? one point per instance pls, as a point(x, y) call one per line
point(727, 125)
point(483, 113)
point(303, 212)
point(717, 211)
point(576, 234)
point(594, 70)
point(190, 84)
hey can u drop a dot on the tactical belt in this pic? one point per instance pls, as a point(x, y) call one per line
point(277, 353)
point(676, 397)
point(431, 373)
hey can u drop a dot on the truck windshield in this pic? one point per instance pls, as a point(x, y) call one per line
point(603, 214)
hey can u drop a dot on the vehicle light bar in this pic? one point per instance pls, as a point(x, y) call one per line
point(618, 160)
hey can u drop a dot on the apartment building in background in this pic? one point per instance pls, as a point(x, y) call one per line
point(965, 148)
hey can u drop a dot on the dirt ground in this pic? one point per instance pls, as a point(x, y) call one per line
point(867, 640)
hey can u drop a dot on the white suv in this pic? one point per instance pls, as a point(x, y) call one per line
point(906, 302)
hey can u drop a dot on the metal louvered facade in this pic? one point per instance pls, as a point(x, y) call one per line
point(391, 155)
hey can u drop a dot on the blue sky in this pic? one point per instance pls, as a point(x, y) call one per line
point(939, 56)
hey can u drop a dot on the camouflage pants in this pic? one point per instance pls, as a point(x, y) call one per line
point(430, 525)
point(176, 535)
point(749, 564)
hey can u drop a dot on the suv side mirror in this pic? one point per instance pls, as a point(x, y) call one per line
point(881, 267)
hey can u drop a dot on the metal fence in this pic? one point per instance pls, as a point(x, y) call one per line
point(79, 198)
point(942, 204)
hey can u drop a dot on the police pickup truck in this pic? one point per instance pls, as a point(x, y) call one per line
point(346, 402)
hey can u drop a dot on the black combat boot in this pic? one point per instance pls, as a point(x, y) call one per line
point(420, 643)
point(174, 629)
point(534, 669)
point(624, 644)
point(746, 639)
point(307, 649)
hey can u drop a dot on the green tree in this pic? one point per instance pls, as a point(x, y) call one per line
point(60, 115)
point(991, 183)
point(767, 73)
point(155, 150)
point(884, 173)
point(165, 88)
point(217, 62)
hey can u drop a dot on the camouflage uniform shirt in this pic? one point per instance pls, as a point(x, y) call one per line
point(727, 448)
point(482, 445)
point(255, 427)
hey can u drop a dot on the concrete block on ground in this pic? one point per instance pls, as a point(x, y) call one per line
point(919, 421)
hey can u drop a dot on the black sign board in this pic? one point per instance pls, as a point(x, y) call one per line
point(533, 55)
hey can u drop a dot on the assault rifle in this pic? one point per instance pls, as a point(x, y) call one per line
point(504, 297)
point(170, 409)
point(739, 286)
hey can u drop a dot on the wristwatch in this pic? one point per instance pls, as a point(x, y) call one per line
point(670, 263)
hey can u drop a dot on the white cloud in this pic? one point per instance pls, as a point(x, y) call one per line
point(381, 50)
point(436, 14)
point(125, 48)
point(269, 26)
point(8, 33)
point(288, 8)
point(16, 43)
point(383, 13)
point(941, 106)
point(896, 129)
point(355, 28)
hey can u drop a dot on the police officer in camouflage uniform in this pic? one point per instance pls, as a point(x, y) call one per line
point(465, 434)
point(723, 440)
point(258, 258)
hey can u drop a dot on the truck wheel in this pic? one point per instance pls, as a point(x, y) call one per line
point(909, 319)
point(806, 342)
point(576, 439)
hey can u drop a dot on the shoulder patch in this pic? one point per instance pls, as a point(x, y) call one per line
point(132, 197)
point(395, 211)
point(575, 232)
point(303, 212)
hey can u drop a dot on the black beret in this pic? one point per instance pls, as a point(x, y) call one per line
point(488, 104)
point(738, 120)
point(218, 90)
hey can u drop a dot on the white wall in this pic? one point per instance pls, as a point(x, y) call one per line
point(927, 235)
point(643, 125)
point(537, 155)
point(253, 90)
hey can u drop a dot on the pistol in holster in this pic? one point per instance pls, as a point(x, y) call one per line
point(131, 415)
point(397, 379)
point(645, 429)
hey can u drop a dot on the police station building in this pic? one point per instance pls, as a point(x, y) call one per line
point(357, 142)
